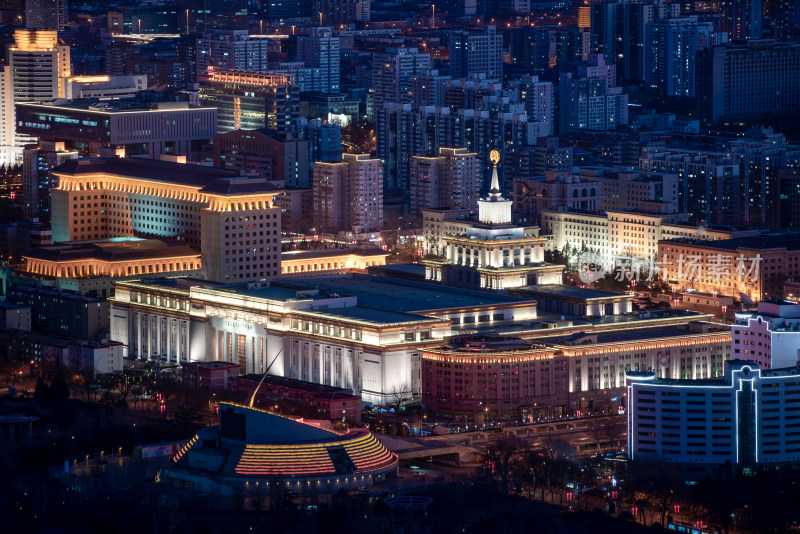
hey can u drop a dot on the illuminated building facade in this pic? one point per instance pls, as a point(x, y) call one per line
point(170, 128)
point(38, 68)
point(248, 100)
point(104, 87)
point(351, 331)
point(450, 179)
point(509, 378)
point(93, 266)
point(121, 197)
point(751, 266)
point(740, 421)
point(255, 451)
point(348, 195)
point(326, 261)
point(493, 253)
point(770, 336)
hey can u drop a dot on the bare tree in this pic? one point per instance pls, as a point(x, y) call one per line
point(399, 393)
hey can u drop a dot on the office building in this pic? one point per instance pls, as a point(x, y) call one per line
point(747, 79)
point(164, 128)
point(122, 197)
point(511, 378)
point(589, 98)
point(331, 260)
point(751, 267)
point(251, 100)
point(450, 179)
point(492, 253)
point(319, 51)
point(769, 336)
point(348, 196)
point(63, 313)
point(36, 164)
point(276, 155)
point(351, 331)
point(38, 67)
point(93, 266)
point(738, 422)
point(46, 14)
point(629, 233)
point(226, 50)
point(10, 153)
point(104, 87)
point(670, 53)
point(476, 53)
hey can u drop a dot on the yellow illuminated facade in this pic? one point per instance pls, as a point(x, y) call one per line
point(333, 260)
point(236, 217)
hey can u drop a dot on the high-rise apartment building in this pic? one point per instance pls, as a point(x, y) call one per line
point(671, 49)
point(342, 11)
point(45, 14)
point(747, 79)
point(36, 164)
point(450, 180)
point(126, 197)
point(742, 19)
point(393, 73)
point(319, 50)
point(201, 15)
point(348, 196)
point(589, 98)
point(9, 151)
point(619, 27)
point(476, 53)
point(251, 100)
point(225, 50)
point(275, 155)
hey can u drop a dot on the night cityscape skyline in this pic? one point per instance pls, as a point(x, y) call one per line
point(413, 267)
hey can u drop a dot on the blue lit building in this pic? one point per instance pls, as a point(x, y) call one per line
point(748, 418)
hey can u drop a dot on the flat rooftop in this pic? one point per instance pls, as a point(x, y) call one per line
point(331, 253)
point(111, 251)
point(208, 179)
point(789, 241)
point(627, 335)
point(391, 294)
point(93, 105)
point(570, 292)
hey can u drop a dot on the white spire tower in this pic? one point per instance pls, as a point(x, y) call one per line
point(494, 209)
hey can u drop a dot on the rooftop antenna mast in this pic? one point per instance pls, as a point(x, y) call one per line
point(266, 372)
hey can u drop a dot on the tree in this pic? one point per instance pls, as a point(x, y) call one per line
point(399, 393)
point(42, 392)
point(501, 454)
